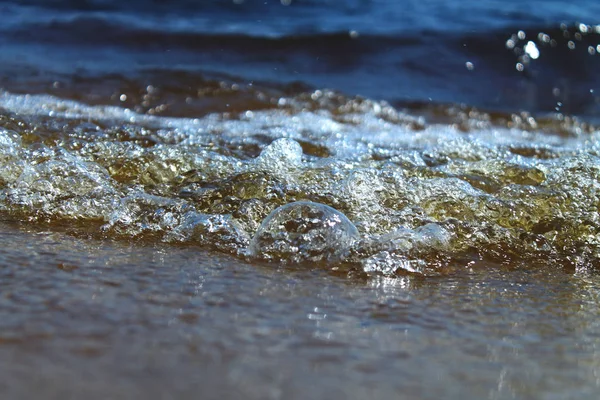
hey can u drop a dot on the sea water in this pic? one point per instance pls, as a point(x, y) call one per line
point(299, 199)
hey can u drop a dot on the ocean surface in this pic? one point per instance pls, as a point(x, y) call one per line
point(299, 199)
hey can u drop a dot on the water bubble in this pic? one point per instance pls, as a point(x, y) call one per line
point(281, 158)
point(433, 236)
point(389, 263)
point(303, 231)
point(10, 156)
point(219, 232)
point(362, 187)
point(281, 153)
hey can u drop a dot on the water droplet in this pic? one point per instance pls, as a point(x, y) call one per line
point(532, 50)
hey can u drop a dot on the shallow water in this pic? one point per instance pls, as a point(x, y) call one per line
point(292, 201)
point(112, 319)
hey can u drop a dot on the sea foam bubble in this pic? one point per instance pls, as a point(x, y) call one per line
point(303, 231)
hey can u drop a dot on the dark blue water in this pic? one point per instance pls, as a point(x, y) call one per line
point(410, 53)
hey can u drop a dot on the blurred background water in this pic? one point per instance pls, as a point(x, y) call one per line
point(502, 55)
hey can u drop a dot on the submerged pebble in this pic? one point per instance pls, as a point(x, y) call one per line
point(303, 231)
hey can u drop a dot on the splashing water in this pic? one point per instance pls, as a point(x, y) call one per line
point(356, 183)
